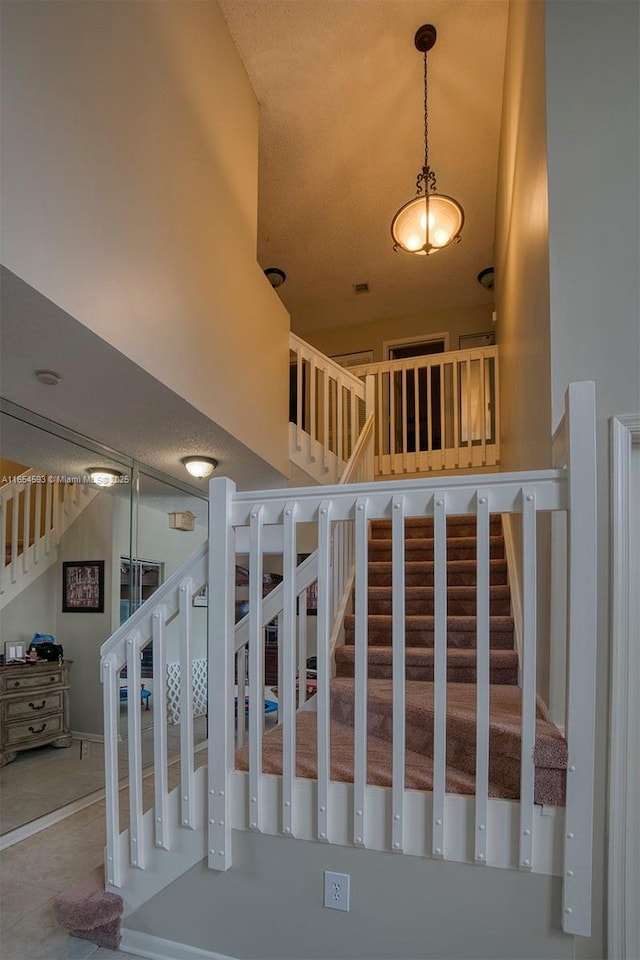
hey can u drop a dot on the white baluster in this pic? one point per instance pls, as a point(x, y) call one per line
point(111, 712)
point(398, 673)
point(482, 675)
point(187, 815)
point(529, 605)
point(160, 772)
point(256, 667)
point(360, 671)
point(439, 673)
point(134, 742)
point(324, 628)
point(287, 680)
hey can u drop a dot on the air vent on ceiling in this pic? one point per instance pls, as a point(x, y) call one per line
point(361, 288)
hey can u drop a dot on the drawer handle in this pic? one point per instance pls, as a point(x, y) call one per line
point(16, 683)
point(41, 730)
point(34, 707)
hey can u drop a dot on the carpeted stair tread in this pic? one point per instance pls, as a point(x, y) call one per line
point(504, 715)
point(550, 752)
point(421, 548)
point(461, 600)
point(418, 769)
point(461, 631)
point(461, 663)
point(90, 912)
point(420, 572)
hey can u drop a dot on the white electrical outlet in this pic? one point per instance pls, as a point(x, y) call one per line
point(336, 890)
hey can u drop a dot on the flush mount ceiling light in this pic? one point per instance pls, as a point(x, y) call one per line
point(486, 278)
point(48, 377)
point(200, 467)
point(103, 476)
point(275, 276)
point(430, 221)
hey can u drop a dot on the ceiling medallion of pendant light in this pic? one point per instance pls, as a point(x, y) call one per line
point(430, 221)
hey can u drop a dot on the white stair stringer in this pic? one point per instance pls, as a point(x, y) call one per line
point(39, 556)
point(313, 458)
point(189, 847)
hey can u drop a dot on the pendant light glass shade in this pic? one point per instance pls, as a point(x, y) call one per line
point(427, 223)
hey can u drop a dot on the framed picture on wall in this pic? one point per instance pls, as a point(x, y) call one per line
point(312, 591)
point(83, 586)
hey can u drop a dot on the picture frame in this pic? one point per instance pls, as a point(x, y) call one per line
point(83, 586)
point(312, 592)
point(14, 651)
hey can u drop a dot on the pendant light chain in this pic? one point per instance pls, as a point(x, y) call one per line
point(426, 178)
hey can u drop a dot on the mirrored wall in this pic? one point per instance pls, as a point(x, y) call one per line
point(80, 555)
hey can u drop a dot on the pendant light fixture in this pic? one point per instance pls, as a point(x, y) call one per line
point(431, 221)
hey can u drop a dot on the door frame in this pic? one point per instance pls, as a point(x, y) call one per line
point(388, 345)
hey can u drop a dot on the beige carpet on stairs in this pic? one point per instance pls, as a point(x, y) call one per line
point(550, 755)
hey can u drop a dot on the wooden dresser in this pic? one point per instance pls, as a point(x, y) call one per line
point(34, 707)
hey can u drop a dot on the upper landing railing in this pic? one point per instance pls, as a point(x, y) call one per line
point(432, 413)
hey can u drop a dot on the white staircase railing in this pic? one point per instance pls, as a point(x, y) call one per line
point(35, 511)
point(437, 412)
point(197, 820)
point(329, 408)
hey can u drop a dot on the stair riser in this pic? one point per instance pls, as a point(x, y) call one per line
point(499, 607)
point(455, 674)
point(460, 574)
point(420, 551)
point(424, 637)
point(418, 527)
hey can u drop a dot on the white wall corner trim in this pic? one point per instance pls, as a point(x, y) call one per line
point(156, 948)
point(624, 771)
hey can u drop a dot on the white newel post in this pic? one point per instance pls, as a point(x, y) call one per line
point(581, 658)
point(220, 639)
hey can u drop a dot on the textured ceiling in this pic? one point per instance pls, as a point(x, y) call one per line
point(340, 88)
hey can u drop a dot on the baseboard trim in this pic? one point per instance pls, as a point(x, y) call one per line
point(157, 948)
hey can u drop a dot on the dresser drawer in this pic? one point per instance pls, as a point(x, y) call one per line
point(32, 730)
point(36, 680)
point(36, 705)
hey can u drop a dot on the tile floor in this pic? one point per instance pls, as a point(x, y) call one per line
point(33, 872)
point(69, 773)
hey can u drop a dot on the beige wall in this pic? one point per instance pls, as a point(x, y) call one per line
point(129, 197)
point(33, 610)
point(593, 139)
point(522, 261)
point(370, 336)
point(82, 634)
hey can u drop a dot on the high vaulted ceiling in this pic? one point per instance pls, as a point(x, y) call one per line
point(340, 88)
